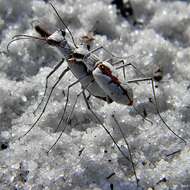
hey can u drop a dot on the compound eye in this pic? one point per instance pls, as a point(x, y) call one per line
point(63, 33)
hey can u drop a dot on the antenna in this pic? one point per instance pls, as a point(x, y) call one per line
point(63, 24)
point(22, 37)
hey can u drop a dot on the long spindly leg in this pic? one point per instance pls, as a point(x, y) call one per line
point(67, 100)
point(88, 106)
point(107, 51)
point(59, 79)
point(73, 107)
point(84, 88)
point(62, 117)
point(64, 111)
point(118, 57)
point(128, 147)
point(130, 64)
point(46, 85)
point(113, 55)
point(102, 125)
point(126, 65)
point(156, 103)
point(121, 61)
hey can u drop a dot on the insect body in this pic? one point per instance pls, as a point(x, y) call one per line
point(106, 78)
point(76, 64)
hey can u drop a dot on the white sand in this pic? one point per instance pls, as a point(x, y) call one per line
point(163, 40)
